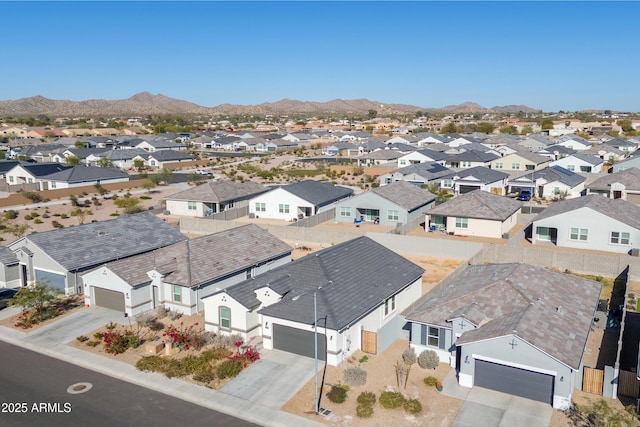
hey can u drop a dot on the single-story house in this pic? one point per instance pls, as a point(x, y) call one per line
point(154, 146)
point(590, 222)
point(477, 178)
point(628, 163)
point(477, 213)
point(397, 203)
point(27, 173)
point(158, 159)
point(9, 269)
point(580, 162)
point(379, 157)
point(178, 275)
point(422, 156)
point(213, 197)
point(623, 185)
point(123, 159)
point(513, 328)
point(555, 152)
point(298, 200)
point(471, 159)
point(60, 256)
point(417, 174)
point(554, 182)
point(522, 161)
point(359, 287)
point(573, 142)
point(78, 176)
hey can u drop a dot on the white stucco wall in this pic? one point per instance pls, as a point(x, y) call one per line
point(273, 199)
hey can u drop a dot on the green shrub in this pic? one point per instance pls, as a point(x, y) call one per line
point(228, 369)
point(391, 399)
point(354, 376)
point(98, 335)
point(93, 343)
point(145, 197)
point(204, 376)
point(412, 406)
point(82, 338)
point(364, 411)
point(114, 214)
point(28, 217)
point(428, 359)
point(363, 359)
point(37, 221)
point(337, 394)
point(367, 398)
point(56, 224)
point(10, 214)
point(151, 364)
point(35, 214)
point(45, 216)
point(64, 216)
point(430, 381)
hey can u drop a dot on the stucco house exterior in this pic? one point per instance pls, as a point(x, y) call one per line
point(298, 200)
point(471, 159)
point(9, 269)
point(477, 213)
point(623, 185)
point(478, 178)
point(213, 197)
point(60, 256)
point(553, 182)
point(422, 156)
point(580, 162)
point(523, 161)
point(417, 174)
point(397, 203)
point(78, 176)
point(628, 163)
point(278, 305)
point(514, 328)
point(590, 222)
point(178, 275)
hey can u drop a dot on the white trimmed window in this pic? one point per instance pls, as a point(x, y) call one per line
point(579, 234)
point(515, 166)
point(392, 215)
point(447, 183)
point(261, 207)
point(345, 211)
point(499, 165)
point(283, 208)
point(191, 205)
point(620, 238)
point(225, 318)
point(433, 336)
point(176, 293)
point(389, 305)
point(462, 222)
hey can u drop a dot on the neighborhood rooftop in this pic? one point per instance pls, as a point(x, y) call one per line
point(478, 204)
point(220, 191)
point(405, 195)
point(317, 193)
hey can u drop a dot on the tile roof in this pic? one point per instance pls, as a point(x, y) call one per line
point(317, 193)
point(354, 278)
point(168, 155)
point(552, 311)
point(618, 209)
point(7, 257)
point(433, 155)
point(588, 158)
point(554, 174)
point(95, 243)
point(473, 156)
point(85, 173)
point(481, 173)
point(630, 178)
point(220, 191)
point(478, 204)
point(405, 195)
point(427, 170)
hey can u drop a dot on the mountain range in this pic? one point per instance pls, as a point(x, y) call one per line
point(145, 103)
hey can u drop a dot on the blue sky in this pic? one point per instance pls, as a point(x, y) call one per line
point(546, 55)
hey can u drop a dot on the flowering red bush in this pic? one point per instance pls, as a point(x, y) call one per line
point(181, 337)
point(117, 342)
point(245, 354)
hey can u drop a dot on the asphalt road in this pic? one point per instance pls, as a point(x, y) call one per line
point(33, 392)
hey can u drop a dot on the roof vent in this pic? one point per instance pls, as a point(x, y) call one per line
point(559, 309)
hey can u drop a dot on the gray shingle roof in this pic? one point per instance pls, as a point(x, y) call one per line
point(427, 170)
point(478, 204)
point(405, 195)
point(550, 310)
point(356, 277)
point(200, 261)
point(317, 193)
point(220, 191)
point(473, 156)
point(554, 174)
point(168, 155)
point(483, 174)
point(84, 174)
point(42, 169)
point(125, 154)
point(7, 257)
point(630, 178)
point(618, 209)
point(433, 155)
point(95, 243)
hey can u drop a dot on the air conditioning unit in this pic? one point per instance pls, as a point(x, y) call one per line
point(252, 215)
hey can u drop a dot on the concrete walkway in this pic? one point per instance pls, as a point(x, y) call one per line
point(51, 340)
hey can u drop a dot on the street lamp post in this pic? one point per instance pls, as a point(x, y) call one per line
point(315, 342)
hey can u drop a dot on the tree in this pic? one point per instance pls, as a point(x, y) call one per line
point(626, 125)
point(527, 130)
point(442, 195)
point(79, 144)
point(18, 230)
point(547, 124)
point(104, 162)
point(509, 129)
point(449, 128)
point(148, 185)
point(138, 164)
point(35, 296)
point(485, 127)
point(165, 175)
point(372, 114)
point(72, 160)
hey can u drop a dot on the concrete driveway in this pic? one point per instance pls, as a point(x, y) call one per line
point(490, 408)
point(274, 379)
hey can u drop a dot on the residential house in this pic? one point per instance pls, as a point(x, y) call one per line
point(298, 200)
point(27, 173)
point(380, 157)
point(477, 178)
point(213, 197)
point(397, 203)
point(178, 275)
point(157, 145)
point(422, 156)
point(522, 161)
point(536, 142)
point(573, 142)
point(606, 152)
point(553, 182)
point(624, 145)
point(470, 159)
point(555, 152)
point(477, 213)
point(80, 153)
point(579, 162)
point(623, 185)
point(358, 289)
point(123, 159)
point(590, 222)
point(6, 166)
point(60, 256)
point(159, 159)
point(78, 176)
point(9, 269)
point(630, 162)
point(339, 148)
point(417, 174)
point(513, 328)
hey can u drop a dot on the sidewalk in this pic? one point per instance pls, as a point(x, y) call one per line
point(51, 340)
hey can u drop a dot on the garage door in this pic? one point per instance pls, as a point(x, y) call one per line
point(109, 299)
point(297, 341)
point(468, 188)
point(519, 382)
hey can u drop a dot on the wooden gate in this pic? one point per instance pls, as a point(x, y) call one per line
point(628, 384)
point(592, 380)
point(369, 342)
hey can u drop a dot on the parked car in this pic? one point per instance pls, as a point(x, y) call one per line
point(5, 296)
point(524, 195)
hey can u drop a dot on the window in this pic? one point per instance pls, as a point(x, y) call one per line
point(225, 317)
point(283, 208)
point(10, 178)
point(345, 211)
point(389, 305)
point(433, 336)
point(392, 215)
point(261, 207)
point(499, 165)
point(579, 234)
point(462, 222)
point(543, 233)
point(176, 293)
point(29, 180)
point(403, 162)
point(52, 184)
point(571, 168)
point(231, 203)
point(620, 238)
point(447, 183)
point(191, 205)
point(515, 166)
point(248, 272)
point(466, 164)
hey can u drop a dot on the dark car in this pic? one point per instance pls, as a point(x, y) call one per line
point(524, 195)
point(5, 296)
